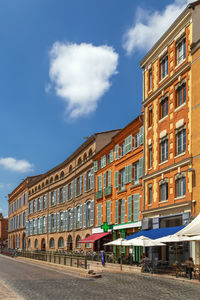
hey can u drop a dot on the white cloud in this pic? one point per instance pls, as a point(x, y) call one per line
point(150, 26)
point(12, 164)
point(81, 75)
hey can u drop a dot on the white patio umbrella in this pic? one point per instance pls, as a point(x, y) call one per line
point(143, 241)
point(118, 242)
point(174, 239)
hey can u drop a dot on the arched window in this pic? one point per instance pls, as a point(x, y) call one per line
point(35, 188)
point(61, 242)
point(62, 174)
point(90, 153)
point(42, 184)
point(78, 245)
point(39, 187)
point(69, 243)
point(52, 243)
point(85, 157)
point(32, 190)
point(79, 161)
point(70, 168)
point(47, 182)
point(36, 244)
point(51, 180)
point(56, 178)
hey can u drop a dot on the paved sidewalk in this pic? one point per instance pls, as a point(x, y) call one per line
point(7, 294)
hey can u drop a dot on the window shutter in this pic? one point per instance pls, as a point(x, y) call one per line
point(129, 208)
point(85, 182)
point(58, 222)
point(75, 186)
point(130, 173)
point(108, 212)
point(72, 183)
point(81, 184)
point(64, 193)
point(123, 211)
point(67, 191)
point(67, 220)
point(99, 178)
point(136, 207)
point(81, 216)
point(104, 180)
point(54, 197)
point(141, 135)
point(109, 177)
point(92, 213)
point(41, 225)
point(45, 224)
point(116, 179)
point(95, 166)
point(41, 201)
point(116, 152)
point(116, 212)
point(99, 214)
point(92, 178)
point(126, 175)
point(111, 155)
point(85, 215)
point(71, 219)
point(49, 223)
point(58, 195)
point(104, 160)
point(140, 167)
point(55, 223)
point(36, 201)
point(75, 217)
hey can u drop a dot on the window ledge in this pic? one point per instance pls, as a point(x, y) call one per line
point(181, 154)
point(164, 201)
point(163, 162)
point(122, 191)
point(150, 169)
point(179, 198)
point(135, 185)
point(182, 61)
point(150, 128)
point(149, 205)
point(163, 119)
point(163, 79)
point(179, 107)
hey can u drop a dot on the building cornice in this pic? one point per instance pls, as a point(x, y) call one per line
point(168, 207)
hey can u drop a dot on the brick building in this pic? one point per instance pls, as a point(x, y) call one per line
point(118, 174)
point(3, 231)
point(61, 201)
point(167, 101)
point(17, 215)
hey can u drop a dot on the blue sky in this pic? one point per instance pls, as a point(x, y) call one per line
point(69, 69)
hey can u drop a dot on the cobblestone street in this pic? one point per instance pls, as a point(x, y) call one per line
point(31, 281)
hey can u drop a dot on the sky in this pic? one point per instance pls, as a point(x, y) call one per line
point(68, 69)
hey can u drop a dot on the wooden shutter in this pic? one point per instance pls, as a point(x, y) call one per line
point(85, 215)
point(58, 195)
point(81, 216)
point(129, 208)
point(126, 175)
point(123, 211)
point(111, 155)
point(141, 135)
point(108, 212)
point(67, 191)
point(116, 152)
point(104, 180)
point(95, 166)
point(99, 181)
point(72, 183)
point(49, 223)
point(116, 211)
point(99, 214)
point(92, 178)
point(129, 173)
point(75, 187)
point(109, 177)
point(136, 207)
point(54, 215)
point(116, 179)
point(81, 184)
point(85, 182)
point(75, 217)
point(58, 222)
point(140, 167)
point(64, 188)
point(92, 213)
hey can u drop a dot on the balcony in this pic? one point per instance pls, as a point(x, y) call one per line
point(108, 191)
point(99, 194)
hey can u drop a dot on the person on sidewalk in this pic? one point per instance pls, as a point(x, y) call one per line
point(189, 266)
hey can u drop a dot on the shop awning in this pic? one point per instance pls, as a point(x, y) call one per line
point(156, 233)
point(94, 237)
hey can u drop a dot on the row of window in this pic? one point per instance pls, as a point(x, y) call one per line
point(164, 103)
point(62, 174)
point(180, 135)
point(71, 190)
point(82, 215)
point(163, 189)
point(128, 145)
point(18, 221)
point(164, 63)
point(17, 204)
point(132, 205)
